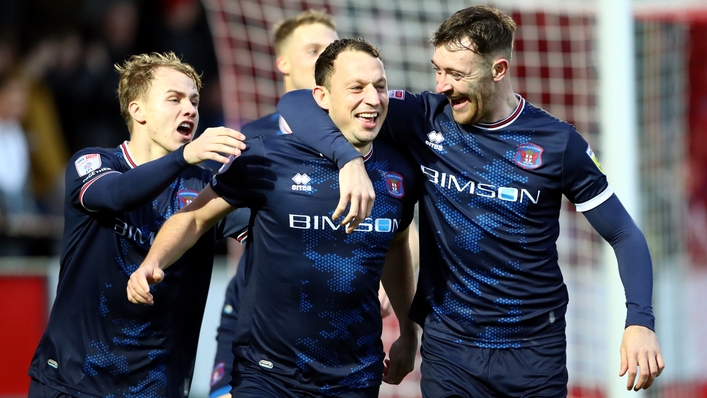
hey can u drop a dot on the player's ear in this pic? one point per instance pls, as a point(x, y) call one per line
point(500, 69)
point(283, 65)
point(321, 95)
point(136, 111)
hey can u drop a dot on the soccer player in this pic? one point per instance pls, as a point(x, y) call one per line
point(96, 343)
point(309, 322)
point(490, 296)
point(298, 41)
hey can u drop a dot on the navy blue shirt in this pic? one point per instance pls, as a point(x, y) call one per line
point(269, 125)
point(489, 221)
point(97, 343)
point(309, 313)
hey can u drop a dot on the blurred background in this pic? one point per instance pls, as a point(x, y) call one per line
point(57, 95)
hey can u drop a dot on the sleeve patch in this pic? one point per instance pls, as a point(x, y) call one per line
point(396, 94)
point(593, 156)
point(88, 163)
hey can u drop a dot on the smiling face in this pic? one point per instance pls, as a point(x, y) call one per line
point(168, 115)
point(356, 96)
point(300, 52)
point(466, 78)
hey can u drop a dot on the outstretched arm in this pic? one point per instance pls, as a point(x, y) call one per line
point(639, 346)
point(312, 125)
point(177, 235)
point(124, 191)
point(399, 282)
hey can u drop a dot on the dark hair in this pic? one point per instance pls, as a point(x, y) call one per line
point(324, 67)
point(282, 30)
point(489, 30)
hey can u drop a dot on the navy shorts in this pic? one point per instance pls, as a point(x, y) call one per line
point(460, 371)
point(247, 382)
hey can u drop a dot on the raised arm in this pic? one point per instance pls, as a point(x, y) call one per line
point(399, 281)
point(179, 233)
point(312, 125)
point(125, 191)
point(639, 347)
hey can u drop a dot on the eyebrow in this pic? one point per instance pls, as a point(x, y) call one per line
point(448, 69)
point(181, 93)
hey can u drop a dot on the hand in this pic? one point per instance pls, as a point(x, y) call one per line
point(402, 359)
point(639, 348)
point(215, 143)
point(356, 187)
point(140, 281)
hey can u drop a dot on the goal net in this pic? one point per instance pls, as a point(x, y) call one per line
point(554, 67)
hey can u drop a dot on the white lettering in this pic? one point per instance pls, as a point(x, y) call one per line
point(128, 231)
point(302, 221)
point(490, 191)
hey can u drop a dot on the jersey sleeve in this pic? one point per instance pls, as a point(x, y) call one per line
point(615, 225)
point(407, 113)
point(243, 182)
point(234, 225)
point(312, 125)
point(94, 180)
point(583, 180)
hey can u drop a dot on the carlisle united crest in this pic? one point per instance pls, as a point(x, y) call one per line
point(394, 184)
point(529, 156)
point(218, 373)
point(185, 196)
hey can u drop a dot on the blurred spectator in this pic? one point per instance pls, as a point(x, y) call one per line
point(181, 26)
point(84, 81)
point(16, 199)
point(28, 127)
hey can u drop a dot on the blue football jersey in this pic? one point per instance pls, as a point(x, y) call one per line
point(309, 313)
point(269, 125)
point(490, 218)
point(97, 343)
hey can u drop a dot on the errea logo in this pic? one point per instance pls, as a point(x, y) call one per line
point(301, 182)
point(434, 139)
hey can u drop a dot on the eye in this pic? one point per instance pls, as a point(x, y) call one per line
point(457, 76)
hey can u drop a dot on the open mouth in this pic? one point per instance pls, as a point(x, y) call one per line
point(369, 119)
point(458, 102)
point(185, 128)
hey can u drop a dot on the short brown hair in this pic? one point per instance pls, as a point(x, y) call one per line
point(324, 67)
point(137, 73)
point(282, 30)
point(489, 30)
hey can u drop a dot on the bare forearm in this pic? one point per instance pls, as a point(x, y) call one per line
point(177, 235)
point(399, 283)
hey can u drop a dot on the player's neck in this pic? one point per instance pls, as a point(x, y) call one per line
point(143, 149)
point(502, 106)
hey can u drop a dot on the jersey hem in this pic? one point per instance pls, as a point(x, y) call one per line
point(557, 337)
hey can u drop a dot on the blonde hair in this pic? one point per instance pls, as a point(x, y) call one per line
point(137, 73)
point(283, 29)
